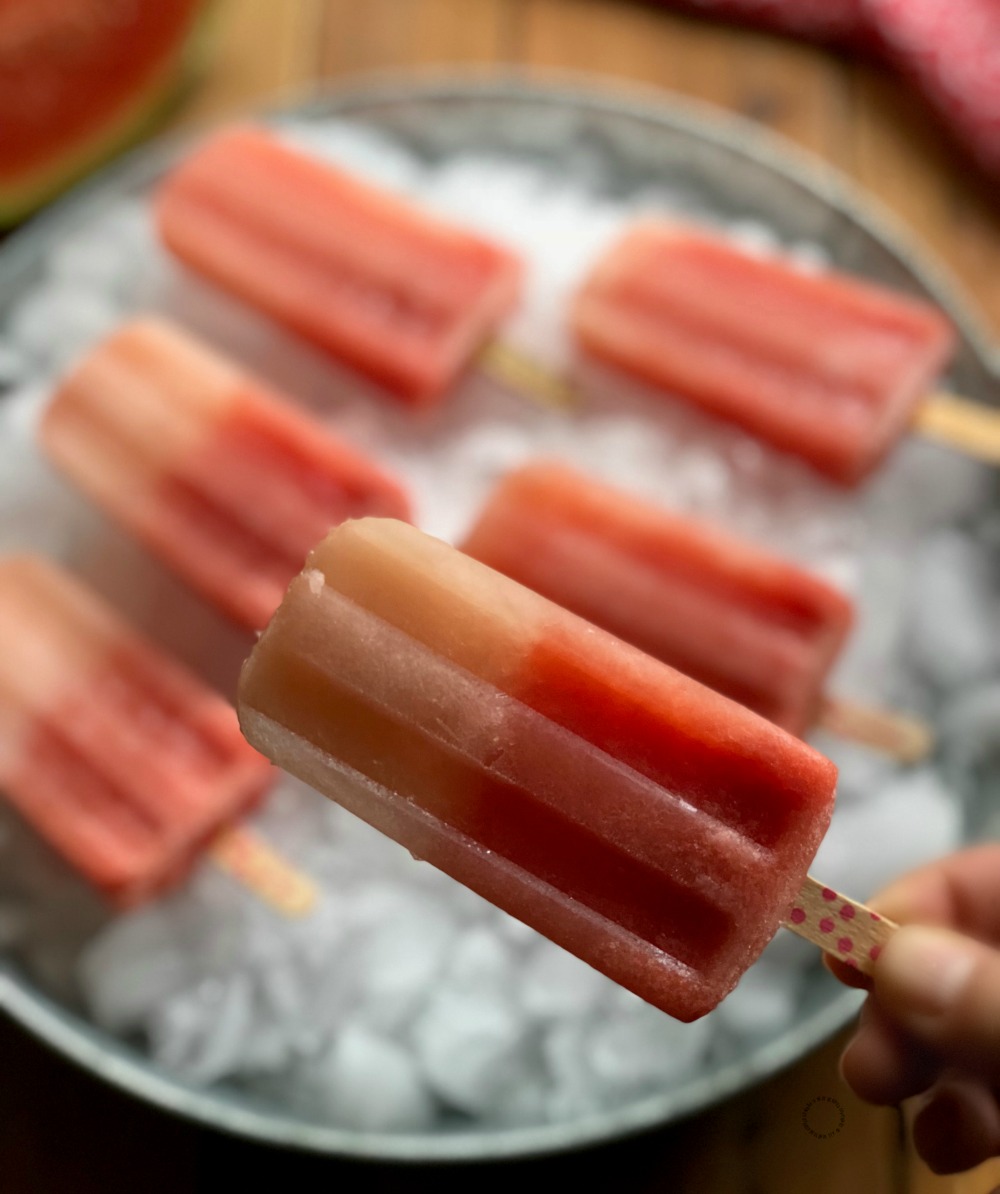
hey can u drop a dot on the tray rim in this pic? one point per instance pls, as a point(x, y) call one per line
point(112, 1061)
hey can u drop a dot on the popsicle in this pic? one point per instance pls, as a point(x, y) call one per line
point(651, 826)
point(399, 295)
point(218, 476)
point(742, 620)
point(734, 617)
point(124, 761)
point(827, 367)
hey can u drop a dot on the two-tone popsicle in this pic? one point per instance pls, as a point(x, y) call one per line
point(215, 473)
point(123, 760)
point(651, 826)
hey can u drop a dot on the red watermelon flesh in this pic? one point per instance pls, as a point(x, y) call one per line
point(78, 80)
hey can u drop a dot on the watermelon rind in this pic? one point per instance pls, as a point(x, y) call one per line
point(139, 116)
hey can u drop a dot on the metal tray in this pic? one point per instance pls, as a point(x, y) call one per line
point(628, 140)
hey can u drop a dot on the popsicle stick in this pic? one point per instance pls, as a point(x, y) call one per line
point(900, 735)
point(841, 927)
point(513, 368)
point(971, 427)
point(241, 853)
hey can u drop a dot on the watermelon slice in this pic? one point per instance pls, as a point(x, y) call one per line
point(79, 80)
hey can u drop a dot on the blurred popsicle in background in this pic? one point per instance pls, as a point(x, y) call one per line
point(828, 367)
point(217, 475)
point(720, 609)
point(401, 296)
point(127, 764)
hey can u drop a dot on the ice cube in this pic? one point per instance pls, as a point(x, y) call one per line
point(472, 1048)
point(365, 1082)
point(870, 842)
point(764, 1001)
point(555, 984)
point(954, 611)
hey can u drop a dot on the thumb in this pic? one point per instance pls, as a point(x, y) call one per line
point(944, 989)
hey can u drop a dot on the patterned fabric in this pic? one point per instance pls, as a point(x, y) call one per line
point(949, 48)
point(824, 20)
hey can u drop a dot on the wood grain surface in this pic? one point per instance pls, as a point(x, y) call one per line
point(801, 1132)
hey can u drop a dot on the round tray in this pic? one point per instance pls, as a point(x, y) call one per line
point(716, 163)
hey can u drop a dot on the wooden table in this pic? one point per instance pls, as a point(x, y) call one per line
point(62, 1132)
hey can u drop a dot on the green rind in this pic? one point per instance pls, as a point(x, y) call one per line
point(136, 118)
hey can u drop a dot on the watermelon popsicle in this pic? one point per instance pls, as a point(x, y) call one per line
point(642, 821)
point(218, 476)
point(722, 610)
point(829, 368)
point(124, 761)
point(398, 295)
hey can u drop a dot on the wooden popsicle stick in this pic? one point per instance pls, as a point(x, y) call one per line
point(841, 927)
point(900, 735)
point(520, 372)
point(971, 427)
point(248, 858)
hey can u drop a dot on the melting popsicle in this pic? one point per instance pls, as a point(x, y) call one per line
point(830, 368)
point(125, 762)
point(399, 295)
point(723, 611)
point(214, 473)
point(646, 823)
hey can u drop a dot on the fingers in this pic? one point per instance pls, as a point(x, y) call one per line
point(850, 976)
point(961, 890)
point(881, 1064)
point(932, 1023)
point(943, 990)
point(957, 1126)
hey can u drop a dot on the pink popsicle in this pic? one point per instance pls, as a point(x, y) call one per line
point(124, 761)
point(824, 366)
point(734, 617)
point(649, 825)
point(220, 477)
point(401, 296)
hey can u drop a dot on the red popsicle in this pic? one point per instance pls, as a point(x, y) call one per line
point(824, 366)
point(649, 825)
point(125, 762)
point(734, 617)
point(401, 296)
point(220, 477)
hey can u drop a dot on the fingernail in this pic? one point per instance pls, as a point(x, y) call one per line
point(925, 968)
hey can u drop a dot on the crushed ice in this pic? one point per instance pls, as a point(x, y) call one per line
point(404, 1000)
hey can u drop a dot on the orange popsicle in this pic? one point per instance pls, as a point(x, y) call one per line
point(216, 474)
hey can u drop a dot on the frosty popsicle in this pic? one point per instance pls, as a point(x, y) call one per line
point(397, 294)
point(649, 825)
point(125, 762)
point(216, 474)
point(827, 367)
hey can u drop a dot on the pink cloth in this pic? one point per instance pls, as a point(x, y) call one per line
point(823, 20)
point(949, 48)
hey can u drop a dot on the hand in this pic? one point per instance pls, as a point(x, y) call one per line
point(931, 1024)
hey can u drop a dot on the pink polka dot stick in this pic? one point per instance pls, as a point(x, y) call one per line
point(842, 927)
